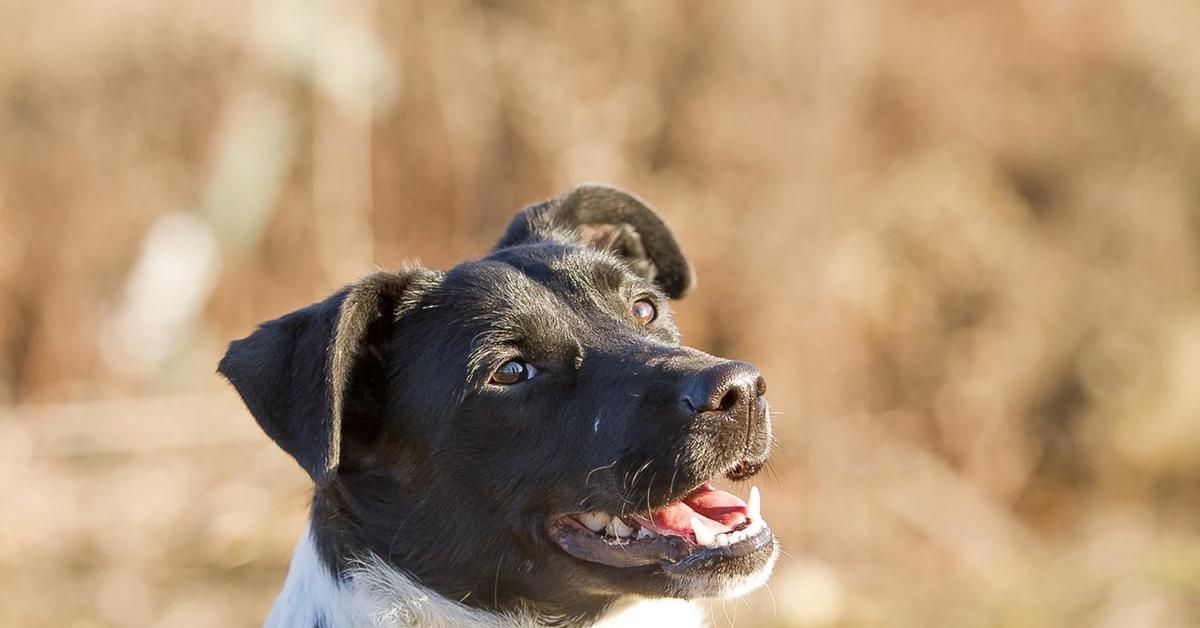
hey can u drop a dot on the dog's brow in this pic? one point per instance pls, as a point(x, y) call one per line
point(505, 332)
point(592, 270)
point(487, 347)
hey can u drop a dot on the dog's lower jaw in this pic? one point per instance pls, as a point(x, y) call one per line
point(373, 593)
point(729, 588)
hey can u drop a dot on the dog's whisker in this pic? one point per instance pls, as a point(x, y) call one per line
point(778, 448)
point(633, 482)
point(770, 469)
point(649, 486)
point(496, 582)
point(771, 594)
point(671, 486)
point(725, 610)
point(588, 478)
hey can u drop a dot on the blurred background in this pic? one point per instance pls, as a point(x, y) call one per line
point(960, 238)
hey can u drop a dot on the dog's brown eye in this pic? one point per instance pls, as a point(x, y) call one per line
point(513, 372)
point(644, 311)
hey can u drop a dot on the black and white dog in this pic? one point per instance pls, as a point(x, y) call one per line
point(518, 441)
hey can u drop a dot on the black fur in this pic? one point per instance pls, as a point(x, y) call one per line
point(382, 394)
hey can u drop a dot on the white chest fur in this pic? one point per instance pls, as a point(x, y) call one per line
point(378, 596)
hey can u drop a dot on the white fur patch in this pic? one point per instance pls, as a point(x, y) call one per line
point(681, 613)
point(378, 595)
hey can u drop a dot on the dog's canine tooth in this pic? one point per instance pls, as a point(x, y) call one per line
point(704, 536)
point(594, 521)
point(646, 533)
point(616, 527)
point(754, 505)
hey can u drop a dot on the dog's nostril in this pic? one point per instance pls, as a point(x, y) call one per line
point(723, 388)
point(730, 400)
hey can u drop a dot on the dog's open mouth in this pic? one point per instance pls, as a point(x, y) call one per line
point(705, 524)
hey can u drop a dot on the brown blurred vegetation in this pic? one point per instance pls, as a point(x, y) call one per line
point(960, 238)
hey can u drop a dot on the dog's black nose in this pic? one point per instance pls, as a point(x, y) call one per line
point(729, 387)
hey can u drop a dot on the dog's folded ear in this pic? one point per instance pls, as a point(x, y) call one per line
point(611, 219)
point(302, 374)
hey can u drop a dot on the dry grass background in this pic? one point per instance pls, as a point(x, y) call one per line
point(960, 238)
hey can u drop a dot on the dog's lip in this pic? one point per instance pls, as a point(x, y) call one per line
point(704, 524)
point(582, 543)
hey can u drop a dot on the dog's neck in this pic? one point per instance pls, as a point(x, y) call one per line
point(376, 518)
point(377, 514)
point(367, 593)
point(370, 592)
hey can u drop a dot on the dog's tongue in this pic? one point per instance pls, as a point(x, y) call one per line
point(715, 509)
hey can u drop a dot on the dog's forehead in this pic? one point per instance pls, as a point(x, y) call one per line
point(566, 267)
point(545, 274)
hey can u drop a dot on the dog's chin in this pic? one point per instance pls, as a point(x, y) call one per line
point(707, 543)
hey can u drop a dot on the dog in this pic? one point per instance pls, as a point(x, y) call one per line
point(521, 440)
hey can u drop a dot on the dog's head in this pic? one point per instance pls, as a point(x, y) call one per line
point(525, 428)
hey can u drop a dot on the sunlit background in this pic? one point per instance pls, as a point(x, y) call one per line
point(960, 239)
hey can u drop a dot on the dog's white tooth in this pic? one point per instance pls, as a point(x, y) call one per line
point(754, 505)
point(724, 540)
point(594, 521)
point(616, 527)
point(704, 536)
point(646, 533)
